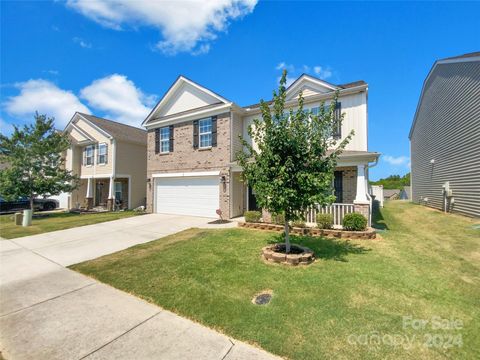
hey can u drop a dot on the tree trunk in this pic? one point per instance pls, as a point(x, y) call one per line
point(31, 203)
point(287, 237)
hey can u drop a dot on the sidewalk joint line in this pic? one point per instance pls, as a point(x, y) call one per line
point(119, 336)
point(46, 300)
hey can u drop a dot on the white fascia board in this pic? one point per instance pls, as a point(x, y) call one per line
point(96, 176)
point(297, 83)
point(314, 98)
point(173, 88)
point(83, 133)
point(101, 131)
point(191, 116)
point(186, 174)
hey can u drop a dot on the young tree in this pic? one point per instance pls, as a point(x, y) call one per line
point(34, 156)
point(292, 166)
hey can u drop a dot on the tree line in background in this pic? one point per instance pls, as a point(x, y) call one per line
point(393, 181)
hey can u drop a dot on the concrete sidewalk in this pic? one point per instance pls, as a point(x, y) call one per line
point(50, 312)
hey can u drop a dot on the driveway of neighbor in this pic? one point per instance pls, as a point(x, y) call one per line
point(50, 312)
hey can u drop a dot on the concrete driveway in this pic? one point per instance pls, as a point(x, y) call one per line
point(50, 312)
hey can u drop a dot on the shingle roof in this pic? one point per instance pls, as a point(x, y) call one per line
point(387, 193)
point(118, 130)
point(341, 86)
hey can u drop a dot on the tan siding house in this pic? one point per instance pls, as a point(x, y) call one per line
point(110, 159)
point(193, 139)
point(445, 137)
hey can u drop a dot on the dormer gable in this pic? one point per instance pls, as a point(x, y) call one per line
point(184, 95)
point(309, 86)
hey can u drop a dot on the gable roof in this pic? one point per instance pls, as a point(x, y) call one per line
point(117, 130)
point(333, 87)
point(181, 80)
point(474, 56)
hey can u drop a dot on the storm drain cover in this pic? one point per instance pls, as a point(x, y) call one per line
point(262, 299)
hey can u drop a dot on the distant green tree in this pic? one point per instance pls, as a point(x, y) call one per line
point(292, 165)
point(34, 158)
point(393, 182)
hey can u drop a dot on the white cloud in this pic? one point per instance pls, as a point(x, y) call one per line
point(119, 99)
point(321, 72)
point(46, 98)
point(397, 161)
point(187, 26)
point(82, 43)
point(295, 71)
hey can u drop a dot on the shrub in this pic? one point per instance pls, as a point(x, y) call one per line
point(298, 223)
point(252, 216)
point(325, 221)
point(278, 219)
point(354, 222)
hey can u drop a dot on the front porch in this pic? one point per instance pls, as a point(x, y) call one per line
point(102, 194)
point(350, 186)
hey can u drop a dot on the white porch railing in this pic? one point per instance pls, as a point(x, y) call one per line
point(337, 210)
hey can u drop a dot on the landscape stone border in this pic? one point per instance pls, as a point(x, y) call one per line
point(304, 258)
point(370, 233)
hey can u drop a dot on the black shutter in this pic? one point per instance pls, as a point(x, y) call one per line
point(97, 153)
point(84, 156)
point(106, 153)
point(214, 131)
point(195, 134)
point(337, 132)
point(338, 186)
point(170, 141)
point(157, 140)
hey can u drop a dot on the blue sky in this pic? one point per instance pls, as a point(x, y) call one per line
point(116, 60)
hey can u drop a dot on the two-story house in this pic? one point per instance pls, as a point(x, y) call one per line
point(193, 139)
point(110, 159)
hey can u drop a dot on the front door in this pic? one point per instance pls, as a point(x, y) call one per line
point(101, 193)
point(338, 186)
point(252, 200)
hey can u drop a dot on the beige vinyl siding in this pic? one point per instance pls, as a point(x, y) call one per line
point(447, 130)
point(95, 169)
point(132, 160)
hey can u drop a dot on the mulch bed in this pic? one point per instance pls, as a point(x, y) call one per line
point(219, 221)
point(332, 233)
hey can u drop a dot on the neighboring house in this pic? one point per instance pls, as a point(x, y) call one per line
point(445, 137)
point(110, 159)
point(194, 136)
point(391, 194)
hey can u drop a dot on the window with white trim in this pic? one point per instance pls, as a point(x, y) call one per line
point(165, 139)
point(89, 155)
point(102, 154)
point(205, 133)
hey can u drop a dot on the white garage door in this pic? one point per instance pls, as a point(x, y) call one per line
point(197, 196)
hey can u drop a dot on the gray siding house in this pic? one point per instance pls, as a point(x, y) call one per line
point(445, 137)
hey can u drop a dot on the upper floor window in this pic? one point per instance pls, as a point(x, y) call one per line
point(102, 154)
point(205, 132)
point(88, 155)
point(165, 139)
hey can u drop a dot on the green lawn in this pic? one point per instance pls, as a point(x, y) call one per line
point(427, 265)
point(56, 221)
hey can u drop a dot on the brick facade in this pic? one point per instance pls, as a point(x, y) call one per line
point(185, 158)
